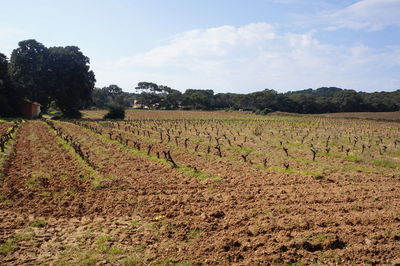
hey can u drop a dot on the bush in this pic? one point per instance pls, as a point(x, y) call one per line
point(265, 111)
point(72, 114)
point(115, 112)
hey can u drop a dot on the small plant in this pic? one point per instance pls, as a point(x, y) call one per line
point(39, 222)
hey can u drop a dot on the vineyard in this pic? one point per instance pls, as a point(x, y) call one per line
point(185, 188)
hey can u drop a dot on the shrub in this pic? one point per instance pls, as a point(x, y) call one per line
point(115, 112)
point(72, 113)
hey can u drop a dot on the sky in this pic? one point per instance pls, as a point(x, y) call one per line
point(236, 46)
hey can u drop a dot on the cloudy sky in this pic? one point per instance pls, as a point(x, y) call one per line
point(224, 45)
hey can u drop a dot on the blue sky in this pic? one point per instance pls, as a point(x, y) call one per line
point(225, 45)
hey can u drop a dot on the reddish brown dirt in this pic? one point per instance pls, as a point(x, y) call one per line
point(4, 126)
point(157, 214)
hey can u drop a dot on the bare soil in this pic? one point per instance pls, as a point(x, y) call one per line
point(136, 209)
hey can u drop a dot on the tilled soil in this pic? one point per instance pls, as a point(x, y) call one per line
point(146, 212)
point(4, 126)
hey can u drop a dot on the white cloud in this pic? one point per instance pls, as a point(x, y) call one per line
point(369, 15)
point(253, 57)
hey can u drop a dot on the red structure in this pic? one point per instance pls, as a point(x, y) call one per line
point(30, 109)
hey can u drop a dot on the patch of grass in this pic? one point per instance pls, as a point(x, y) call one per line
point(321, 238)
point(31, 182)
point(347, 168)
point(130, 261)
point(7, 246)
point(97, 182)
point(385, 163)
point(39, 222)
point(45, 194)
point(104, 245)
point(136, 224)
point(353, 158)
point(11, 244)
point(23, 236)
point(195, 233)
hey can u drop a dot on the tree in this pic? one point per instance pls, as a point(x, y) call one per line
point(113, 91)
point(99, 98)
point(306, 103)
point(29, 72)
point(225, 100)
point(71, 81)
point(158, 96)
point(172, 99)
point(198, 99)
point(147, 87)
point(8, 104)
point(348, 101)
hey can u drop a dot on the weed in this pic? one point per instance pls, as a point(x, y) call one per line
point(353, 158)
point(385, 163)
point(7, 246)
point(195, 233)
point(31, 182)
point(39, 222)
point(130, 261)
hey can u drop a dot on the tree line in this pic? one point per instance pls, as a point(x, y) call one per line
point(57, 77)
point(321, 100)
point(60, 78)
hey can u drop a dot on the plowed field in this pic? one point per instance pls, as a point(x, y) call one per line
point(171, 189)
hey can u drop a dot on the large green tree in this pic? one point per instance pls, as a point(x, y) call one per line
point(57, 74)
point(29, 72)
point(71, 81)
point(7, 94)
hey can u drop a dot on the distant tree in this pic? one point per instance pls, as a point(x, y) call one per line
point(198, 99)
point(99, 98)
point(306, 103)
point(326, 91)
point(171, 99)
point(348, 101)
point(107, 95)
point(29, 73)
point(149, 87)
point(158, 96)
point(71, 81)
point(113, 91)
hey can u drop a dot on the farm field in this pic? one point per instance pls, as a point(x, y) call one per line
point(173, 187)
point(395, 116)
point(164, 114)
